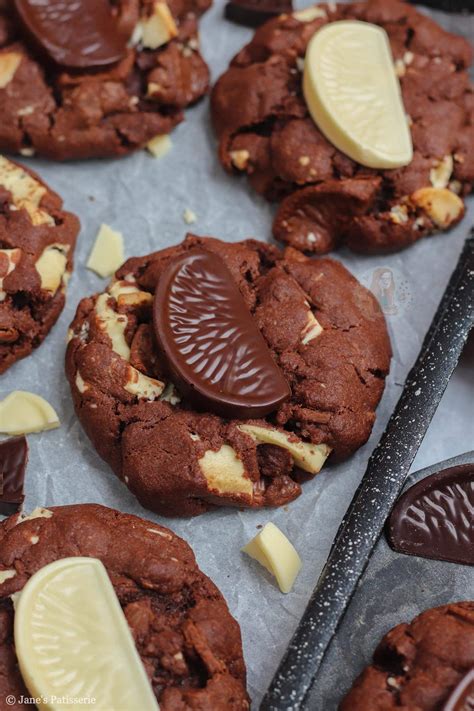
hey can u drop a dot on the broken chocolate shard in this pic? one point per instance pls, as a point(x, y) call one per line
point(77, 35)
point(462, 698)
point(215, 353)
point(435, 517)
point(253, 13)
point(13, 461)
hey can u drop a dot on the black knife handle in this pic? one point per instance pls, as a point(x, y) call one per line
point(386, 472)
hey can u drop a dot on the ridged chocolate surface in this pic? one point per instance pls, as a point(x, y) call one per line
point(83, 33)
point(13, 461)
point(215, 353)
point(435, 517)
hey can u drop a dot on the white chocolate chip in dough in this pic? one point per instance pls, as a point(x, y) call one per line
point(51, 266)
point(272, 549)
point(312, 330)
point(160, 145)
point(81, 384)
point(441, 205)
point(38, 512)
point(114, 325)
point(23, 412)
point(13, 257)
point(157, 29)
point(9, 63)
point(440, 174)
point(225, 472)
point(240, 158)
point(310, 13)
point(143, 386)
point(26, 191)
point(107, 253)
point(6, 575)
point(307, 456)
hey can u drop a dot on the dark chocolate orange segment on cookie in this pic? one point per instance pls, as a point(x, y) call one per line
point(266, 131)
point(37, 240)
point(255, 12)
point(188, 643)
point(324, 344)
point(96, 78)
point(435, 517)
point(423, 665)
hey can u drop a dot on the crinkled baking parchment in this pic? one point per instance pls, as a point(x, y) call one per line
point(145, 199)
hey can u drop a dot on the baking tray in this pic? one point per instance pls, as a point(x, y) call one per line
point(394, 588)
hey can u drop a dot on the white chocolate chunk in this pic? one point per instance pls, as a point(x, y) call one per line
point(240, 158)
point(312, 330)
point(38, 512)
point(72, 639)
point(309, 457)
point(22, 412)
point(310, 13)
point(9, 63)
point(12, 257)
point(26, 191)
point(158, 29)
point(272, 549)
point(160, 145)
point(143, 386)
point(440, 204)
point(81, 384)
point(189, 216)
point(107, 253)
point(225, 472)
point(441, 173)
point(51, 266)
point(113, 324)
point(354, 96)
point(6, 575)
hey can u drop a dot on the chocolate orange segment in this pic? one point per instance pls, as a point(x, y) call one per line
point(462, 698)
point(77, 34)
point(215, 354)
point(435, 517)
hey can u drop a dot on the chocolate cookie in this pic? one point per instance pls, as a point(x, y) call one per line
point(324, 331)
point(327, 199)
point(96, 79)
point(37, 240)
point(418, 665)
point(188, 642)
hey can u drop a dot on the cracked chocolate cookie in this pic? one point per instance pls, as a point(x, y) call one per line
point(96, 79)
point(421, 665)
point(37, 240)
point(188, 642)
point(322, 329)
point(327, 199)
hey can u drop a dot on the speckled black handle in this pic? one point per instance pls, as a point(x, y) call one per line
point(386, 472)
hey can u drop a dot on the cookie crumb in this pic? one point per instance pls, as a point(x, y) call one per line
point(189, 216)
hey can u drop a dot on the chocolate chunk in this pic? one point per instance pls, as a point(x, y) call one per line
point(462, 698)
point(215, 353)
point(435, 517)
point(77, 34)
point(253, 13)
point(13, 460)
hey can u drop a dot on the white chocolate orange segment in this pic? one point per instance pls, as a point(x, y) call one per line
point(272, 549)
point(72, 640)
point(354, 96)
point(22, 412)
point(107, 253)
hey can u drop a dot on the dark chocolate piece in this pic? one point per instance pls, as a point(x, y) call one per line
point(462, 698)
point(78, 34)
point(435, 517)
point(215, 353)
point(13, 461)
point(253, 13)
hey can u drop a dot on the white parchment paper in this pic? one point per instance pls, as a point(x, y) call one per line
point(145, 199)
